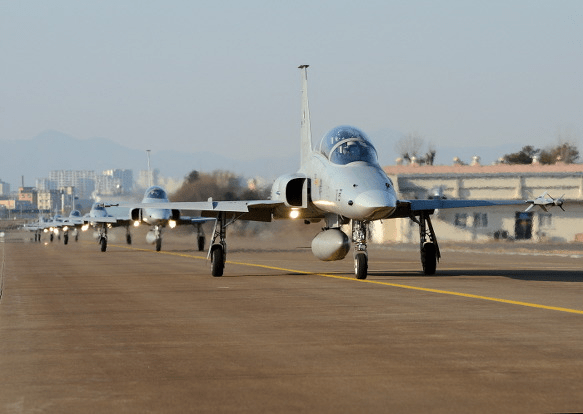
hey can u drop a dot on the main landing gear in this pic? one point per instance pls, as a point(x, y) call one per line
point(128, 235)
point(200, 239)
point(428, 246)
point(360, 252)
point(218, 250)
point(102, 237)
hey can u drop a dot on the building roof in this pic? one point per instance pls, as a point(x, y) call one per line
point(416, 169)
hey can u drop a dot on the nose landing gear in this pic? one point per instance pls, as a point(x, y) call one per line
point(360, 252)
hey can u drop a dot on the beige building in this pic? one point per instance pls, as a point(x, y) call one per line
point(492, 182)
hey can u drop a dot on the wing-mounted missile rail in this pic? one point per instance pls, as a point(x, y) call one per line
point(545, 201)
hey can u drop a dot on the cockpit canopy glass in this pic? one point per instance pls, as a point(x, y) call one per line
point(157, 193)
point(345, 144)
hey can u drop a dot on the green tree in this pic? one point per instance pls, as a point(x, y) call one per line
point(565, 152)
point(524, 156)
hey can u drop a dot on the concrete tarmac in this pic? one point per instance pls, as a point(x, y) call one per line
point(136, 331)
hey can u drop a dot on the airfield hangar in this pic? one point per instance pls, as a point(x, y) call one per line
point(493, 182)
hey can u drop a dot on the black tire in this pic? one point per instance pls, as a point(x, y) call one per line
point(103, 243)
point(158, 244)
point(128, 238)
point(51, 237)
point(217, 260)
point(200, 241)
point(66, 239)
point(429, 258)
point(76, 237)
point(361, 266)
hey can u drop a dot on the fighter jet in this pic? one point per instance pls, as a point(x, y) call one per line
point(339, 182)
point(100, 219)
point(55, 225)
point(157, 217)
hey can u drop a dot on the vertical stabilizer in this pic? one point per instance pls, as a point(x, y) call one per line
point(305, 131)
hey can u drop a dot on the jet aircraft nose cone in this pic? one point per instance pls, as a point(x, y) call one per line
point(374, 204)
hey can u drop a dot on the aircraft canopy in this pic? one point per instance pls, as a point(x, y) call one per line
point(157, 193)
point(345, 144)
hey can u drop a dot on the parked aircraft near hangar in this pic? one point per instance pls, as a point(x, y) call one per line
point(340, 182)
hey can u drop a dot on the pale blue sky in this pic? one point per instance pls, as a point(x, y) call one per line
point(222, 75)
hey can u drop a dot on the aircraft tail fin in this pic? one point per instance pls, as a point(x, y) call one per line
point(305, 131)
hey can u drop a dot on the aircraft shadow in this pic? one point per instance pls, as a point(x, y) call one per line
point(527, 275)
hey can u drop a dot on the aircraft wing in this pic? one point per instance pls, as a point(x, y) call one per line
point(111, 220)
point(407, 208)
point(193, 220)
point(253, 210)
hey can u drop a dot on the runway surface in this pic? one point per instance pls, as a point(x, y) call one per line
point(132, 330)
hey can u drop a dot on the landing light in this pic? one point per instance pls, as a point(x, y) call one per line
point(171, 224)
point(136, 223)
point(109, 225)
point(84, 227)
point(294, 214)
point(65, 228)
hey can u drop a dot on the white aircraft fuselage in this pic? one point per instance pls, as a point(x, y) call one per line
point(359, 190)
point(156, 216)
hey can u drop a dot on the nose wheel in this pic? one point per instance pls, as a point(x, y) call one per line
point(102, 238)
point(360, 265)
point(360, 253)
point(158, 234)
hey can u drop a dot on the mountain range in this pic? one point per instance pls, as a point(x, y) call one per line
point(53, 150)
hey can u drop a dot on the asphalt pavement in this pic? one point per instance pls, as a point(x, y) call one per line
point(133, 330)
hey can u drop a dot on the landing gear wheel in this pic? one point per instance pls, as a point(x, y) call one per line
point(360, 265)
point(103, 243)
point(200, 241)
point(51, 237)
point(128, 238)
point(158, 244)
point(217, 260)
point(66, 239)
point(77, 237)
point(428, 258)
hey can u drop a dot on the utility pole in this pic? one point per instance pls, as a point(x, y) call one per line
point(149, 170)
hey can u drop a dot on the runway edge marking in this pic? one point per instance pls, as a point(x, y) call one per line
point(376, 282)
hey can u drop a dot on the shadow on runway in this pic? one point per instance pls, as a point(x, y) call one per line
point(518, 274)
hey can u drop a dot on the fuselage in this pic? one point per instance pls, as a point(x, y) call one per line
point(346, 178)
point(156, 216)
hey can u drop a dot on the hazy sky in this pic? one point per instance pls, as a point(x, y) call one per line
point(222, 75)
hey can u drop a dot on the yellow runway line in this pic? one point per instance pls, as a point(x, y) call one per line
point(376, 282)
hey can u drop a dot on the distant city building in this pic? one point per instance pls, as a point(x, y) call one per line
point(4, 188)
point(49, 200)
point(45, 184)
point(82, 180)
point(114, 182)
point(27, 195)
point(148, 178)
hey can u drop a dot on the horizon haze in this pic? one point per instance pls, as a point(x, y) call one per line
point(222, 77)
